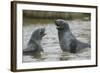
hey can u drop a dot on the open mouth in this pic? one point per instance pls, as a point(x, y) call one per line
point(58, 24)
point(60, 27)
point(43, 34)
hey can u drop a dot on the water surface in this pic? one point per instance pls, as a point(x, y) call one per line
point(50, 43)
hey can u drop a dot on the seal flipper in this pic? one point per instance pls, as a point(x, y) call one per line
point(81, 45)
point(32, 49)
point(29, 50)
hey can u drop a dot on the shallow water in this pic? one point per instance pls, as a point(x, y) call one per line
point(50, 42)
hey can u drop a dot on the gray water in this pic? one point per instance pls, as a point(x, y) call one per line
point(50, 42)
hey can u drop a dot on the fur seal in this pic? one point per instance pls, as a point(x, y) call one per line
point(33, 46)
point(67, 40)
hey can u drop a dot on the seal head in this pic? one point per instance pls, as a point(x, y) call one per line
point(62, 25)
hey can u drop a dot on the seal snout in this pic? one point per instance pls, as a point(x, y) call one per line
point(59, 23)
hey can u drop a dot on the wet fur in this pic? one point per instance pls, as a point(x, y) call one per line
point(67, 40)
point(33, 46)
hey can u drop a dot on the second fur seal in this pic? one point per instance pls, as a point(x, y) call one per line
point(34, 44)
point(67, 40)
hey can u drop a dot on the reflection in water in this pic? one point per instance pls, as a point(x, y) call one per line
point(50, 42)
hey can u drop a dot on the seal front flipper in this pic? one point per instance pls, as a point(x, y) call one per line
point(31, 49)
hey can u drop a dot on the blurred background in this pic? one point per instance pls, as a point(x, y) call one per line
point(30, 16)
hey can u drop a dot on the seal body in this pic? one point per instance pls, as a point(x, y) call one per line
point(34, 44)
point(67, 40)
